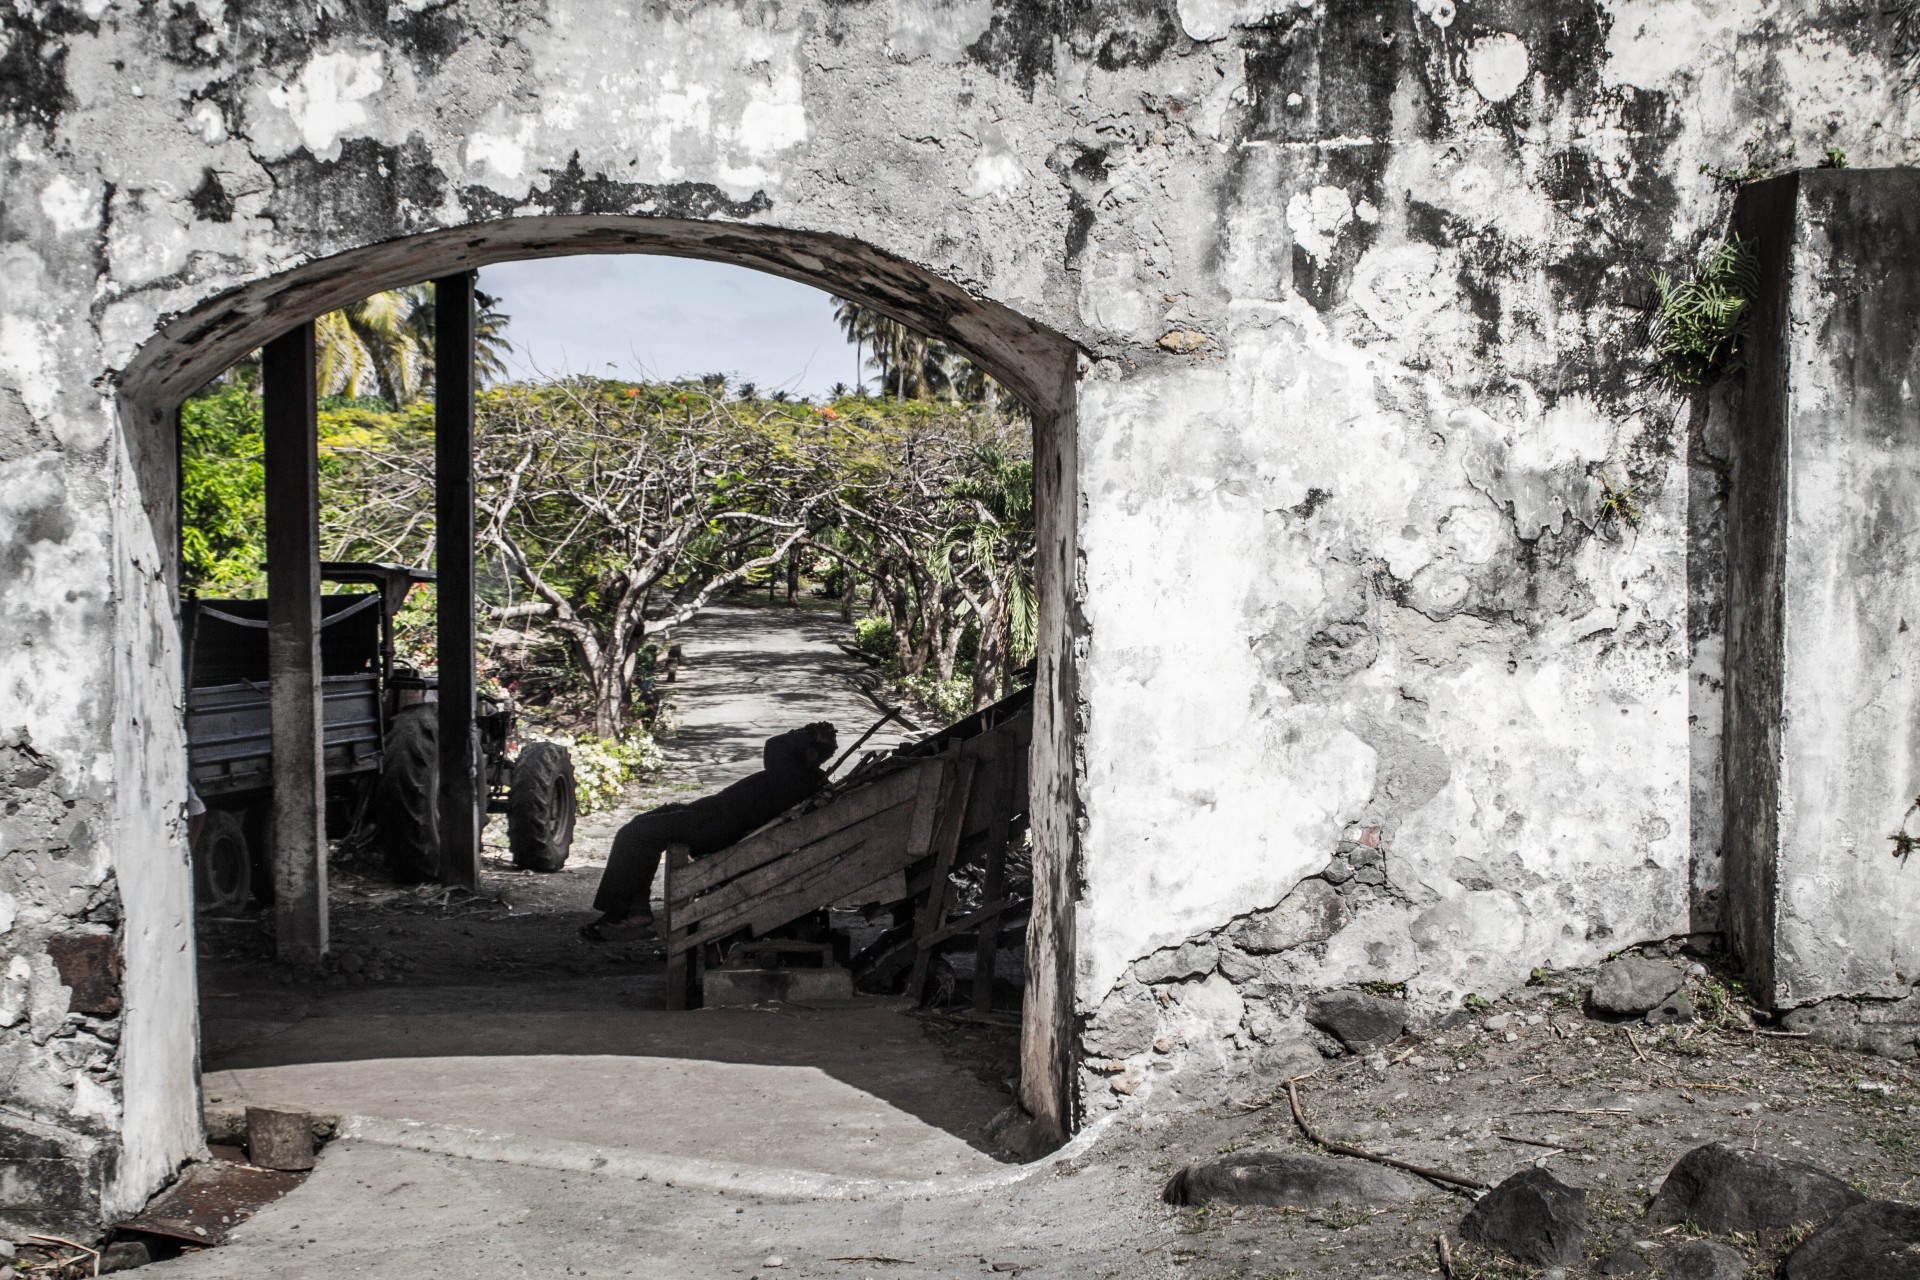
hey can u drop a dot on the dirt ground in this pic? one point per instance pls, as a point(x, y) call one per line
point(1604, 1106)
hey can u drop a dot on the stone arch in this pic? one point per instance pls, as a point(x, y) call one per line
point(1036, 363)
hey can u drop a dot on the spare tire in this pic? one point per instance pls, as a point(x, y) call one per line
point(541, 807)
point(406, 804)
point(222, 864)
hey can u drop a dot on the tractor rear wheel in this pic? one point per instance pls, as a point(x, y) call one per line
point(222, 864)
point(406, 804)
point(541, 807)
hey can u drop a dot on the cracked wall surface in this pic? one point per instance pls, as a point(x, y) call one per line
point(1382, 541)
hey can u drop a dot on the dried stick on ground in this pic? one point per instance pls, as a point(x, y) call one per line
point(1342, 1149)
point(1445, 1251)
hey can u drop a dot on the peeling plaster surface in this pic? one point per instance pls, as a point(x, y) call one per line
point(1389, 566)
point(1843, 733)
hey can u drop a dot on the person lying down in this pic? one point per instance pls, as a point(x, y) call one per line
point(793, 772)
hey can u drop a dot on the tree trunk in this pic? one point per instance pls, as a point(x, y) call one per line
point(989, 654)
point(793, 580)
point(948, 654)
point(849, 587)
point(900, 616)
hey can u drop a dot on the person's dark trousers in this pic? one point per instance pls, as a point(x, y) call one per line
point(635, 859)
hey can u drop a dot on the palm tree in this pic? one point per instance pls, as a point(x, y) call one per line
point(987, 548)
point(385, 344)
point(911, 365)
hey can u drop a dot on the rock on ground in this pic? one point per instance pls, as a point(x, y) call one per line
point(1703, 1260)
point(1631, 985)
point(1722, 1189)
point(1532, 1216)
point(1877, 1240)
point(1624, 1261)
point(1293, 1181)
point(1359, 1021)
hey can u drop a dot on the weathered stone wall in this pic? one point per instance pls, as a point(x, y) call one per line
point(1380, 538)
point(1824, 733)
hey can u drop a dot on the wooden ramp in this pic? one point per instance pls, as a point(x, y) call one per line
point(891, 834)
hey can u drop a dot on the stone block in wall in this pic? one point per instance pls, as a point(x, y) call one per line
point(1313, 912)
point(1890, 1029)
point(89, 965)
point(1176, 964)
point(1125, 1024)
point(51, 1179)
point(1823, 605)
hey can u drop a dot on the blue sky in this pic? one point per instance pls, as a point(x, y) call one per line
point(638, 316)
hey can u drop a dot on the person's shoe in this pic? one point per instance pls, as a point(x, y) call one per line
point(618, 929)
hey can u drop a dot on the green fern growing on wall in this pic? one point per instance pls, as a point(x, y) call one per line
point(1700, 323)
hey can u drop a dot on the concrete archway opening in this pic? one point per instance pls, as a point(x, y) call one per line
point(1034, 363)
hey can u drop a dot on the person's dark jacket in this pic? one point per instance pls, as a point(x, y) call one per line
point(711, 823)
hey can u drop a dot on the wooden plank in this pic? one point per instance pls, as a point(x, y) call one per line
point(930, 781)
point(681, 993)
point(461, 788)
point(890, 825)
point(795, 897)
point(986, 951)
point(771, 842)
point(972, 920)
point(832, 882)
point(888, 888)
point(953, 816)
point(290, 444)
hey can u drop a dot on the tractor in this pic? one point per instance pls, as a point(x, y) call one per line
point(380, 745)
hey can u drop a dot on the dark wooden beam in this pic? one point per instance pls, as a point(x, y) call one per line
point(462, 791)
point(291, 447)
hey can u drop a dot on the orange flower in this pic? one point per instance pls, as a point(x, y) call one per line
point(826, 411)
point(632, 392)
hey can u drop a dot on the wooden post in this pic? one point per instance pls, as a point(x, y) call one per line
point(986, 953)
point(462, 791)
point(290, 442)
point(949, 826)
point(683, 969)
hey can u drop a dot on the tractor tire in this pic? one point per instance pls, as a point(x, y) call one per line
point(541, 807)
point(222, 864)
point(406, 804)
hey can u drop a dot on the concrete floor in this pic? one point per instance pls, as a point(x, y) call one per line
point(377, 1210)
point(511, 1040)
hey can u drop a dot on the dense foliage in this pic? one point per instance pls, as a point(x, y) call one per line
point(609, 513)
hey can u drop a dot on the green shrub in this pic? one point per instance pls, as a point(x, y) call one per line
point(604, 767)
point(874, 636)
point(1699, 324)
point(948, 700)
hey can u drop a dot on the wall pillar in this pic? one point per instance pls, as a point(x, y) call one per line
point(1823, 616)
point(461, 790)
point(291, 445)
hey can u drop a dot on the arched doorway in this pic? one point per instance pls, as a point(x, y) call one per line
point(1034, 363)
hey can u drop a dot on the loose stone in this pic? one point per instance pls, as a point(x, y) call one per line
point(1293, 1181)
point(1724, 1189)
point(1532, 1216)
point(1877, 1240)
point(1359, 1021)
point(1703, 1260)
point(1632, 985)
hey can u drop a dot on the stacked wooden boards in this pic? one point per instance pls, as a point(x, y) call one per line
point(892, 833)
